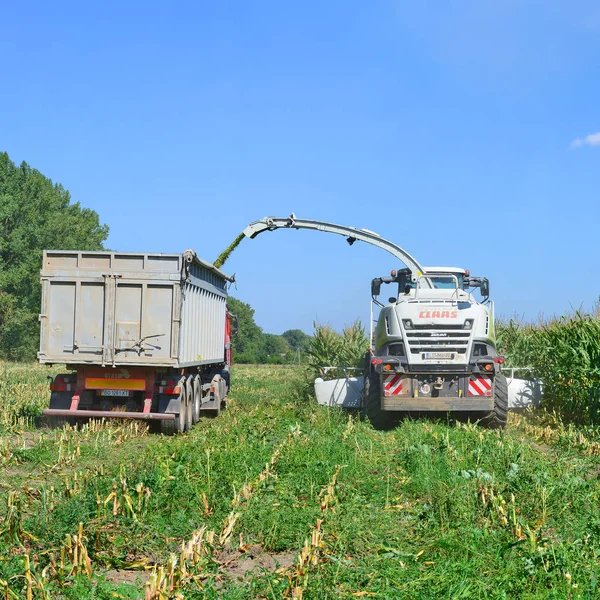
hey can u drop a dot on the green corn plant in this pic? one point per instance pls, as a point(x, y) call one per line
point(565, 354)
point(330, 348)
point(6, 592)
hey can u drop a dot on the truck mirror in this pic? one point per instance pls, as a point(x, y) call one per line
point(234, 324)
point(485, 288)
point(376, 287)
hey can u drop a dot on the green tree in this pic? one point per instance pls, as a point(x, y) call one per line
point(275, 348)
point(297, 339)
point(247, 343)
point(35, 214)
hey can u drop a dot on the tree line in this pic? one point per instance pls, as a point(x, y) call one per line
point(252, 345)
point(38, 214)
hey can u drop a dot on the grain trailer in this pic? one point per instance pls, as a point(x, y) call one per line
point(143, 335)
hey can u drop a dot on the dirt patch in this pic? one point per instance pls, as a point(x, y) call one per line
point(593, 473)
point(22, 441)
point(237, 565)
point(126, 577)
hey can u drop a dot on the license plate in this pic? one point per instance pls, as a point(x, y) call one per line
point(438, 355)
point(114, 393)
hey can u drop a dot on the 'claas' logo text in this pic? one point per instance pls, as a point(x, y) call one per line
point(438, 314)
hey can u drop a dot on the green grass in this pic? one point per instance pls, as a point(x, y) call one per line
point(429, 510)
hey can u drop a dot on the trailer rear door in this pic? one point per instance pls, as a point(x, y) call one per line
point(99, 309)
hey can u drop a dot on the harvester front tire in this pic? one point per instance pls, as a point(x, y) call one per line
point(498, 417)
point(380, 419)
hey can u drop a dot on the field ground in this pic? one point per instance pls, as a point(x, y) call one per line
point(281, 498)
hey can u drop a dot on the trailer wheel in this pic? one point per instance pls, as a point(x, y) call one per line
point(498, 417)
point(55, 422)
point(179, 425)
point(197, 400)
point(380, 419)
point(189, 404)
point(219, 386)
point(60, 400)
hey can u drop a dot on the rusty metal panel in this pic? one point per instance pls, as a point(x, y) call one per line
point(106, 308)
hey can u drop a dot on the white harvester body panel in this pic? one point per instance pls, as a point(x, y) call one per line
point(434, 327)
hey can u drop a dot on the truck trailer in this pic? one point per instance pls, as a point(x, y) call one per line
point(144, 336)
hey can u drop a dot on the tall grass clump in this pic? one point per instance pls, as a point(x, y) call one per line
point(565, 354)
point(329, 348)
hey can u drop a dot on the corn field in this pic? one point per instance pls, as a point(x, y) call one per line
point(328, 348)
point(564, 353)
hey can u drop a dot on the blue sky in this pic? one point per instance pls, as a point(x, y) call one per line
point(466, 132)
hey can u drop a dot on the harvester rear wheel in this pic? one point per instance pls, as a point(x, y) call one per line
point(380, 419)
point(498, 417)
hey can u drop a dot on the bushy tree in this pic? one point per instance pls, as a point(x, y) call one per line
point(297, 339)
point(35, 214)
point(247, 343)
point(275, 348)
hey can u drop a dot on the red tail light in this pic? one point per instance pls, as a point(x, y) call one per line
point(499, 360)
point(61, 384)
point(169, 388)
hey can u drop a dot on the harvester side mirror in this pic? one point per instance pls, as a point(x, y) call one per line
point(376, 286)
point(485, 288)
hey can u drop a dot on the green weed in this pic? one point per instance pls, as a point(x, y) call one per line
point(281, 498)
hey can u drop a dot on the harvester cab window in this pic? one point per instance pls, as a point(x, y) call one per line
point(443, 282)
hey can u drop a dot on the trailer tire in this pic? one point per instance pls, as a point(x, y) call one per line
point(197, 400)
point(220, 388)
point(380, 419)
point(55, 422)
point(62, 401)
point(498, 417)
point(226, 375)
point(189, 404)
point(179, 424)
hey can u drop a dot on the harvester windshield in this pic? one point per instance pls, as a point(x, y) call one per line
point(447, 282)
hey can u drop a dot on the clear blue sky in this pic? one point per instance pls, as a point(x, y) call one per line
point(463, 131)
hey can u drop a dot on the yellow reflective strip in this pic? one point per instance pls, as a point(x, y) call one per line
point(92, 383)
